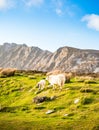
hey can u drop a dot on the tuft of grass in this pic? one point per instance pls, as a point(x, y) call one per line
point(39, 107)
point(87, 90)
point(31, 77)
point(90, 82)
point(96, 127)
point(87, 100)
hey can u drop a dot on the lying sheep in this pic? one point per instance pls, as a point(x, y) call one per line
point(58, 79)
point(41, 84)
point(8, 71)
point(68, 76)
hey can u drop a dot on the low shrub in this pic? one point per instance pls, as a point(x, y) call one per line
point(90, 82)
point(86, 90)
point(86, 100)
point(7, 109)
point(24, 108)
point(39, 107)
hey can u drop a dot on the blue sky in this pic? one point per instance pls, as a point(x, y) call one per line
point(50, 24)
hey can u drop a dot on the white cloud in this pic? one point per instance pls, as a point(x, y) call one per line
point(92, 21)
point(6, 4)
point(63, 7)
point(59, 11)
point(33, 2)
point(3, 4)
point(71, 10)
point(58, 6)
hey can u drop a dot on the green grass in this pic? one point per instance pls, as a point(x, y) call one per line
point(19, 112)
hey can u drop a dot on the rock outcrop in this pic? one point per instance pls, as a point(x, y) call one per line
point(65, 58)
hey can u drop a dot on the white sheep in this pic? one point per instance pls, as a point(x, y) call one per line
point(41, 84)
point(58, 79)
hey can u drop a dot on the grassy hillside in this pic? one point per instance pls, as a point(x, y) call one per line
point(76, 107)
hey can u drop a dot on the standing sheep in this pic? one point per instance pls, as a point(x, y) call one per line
point(58, 79)
point(41, 84)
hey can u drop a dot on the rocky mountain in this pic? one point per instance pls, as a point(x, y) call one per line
point(33, 58)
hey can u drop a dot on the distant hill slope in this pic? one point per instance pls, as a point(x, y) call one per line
point(65, 58)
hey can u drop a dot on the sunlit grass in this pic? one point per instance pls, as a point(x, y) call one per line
point(17, 106)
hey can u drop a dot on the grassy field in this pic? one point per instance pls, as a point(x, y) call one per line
point(76, 107)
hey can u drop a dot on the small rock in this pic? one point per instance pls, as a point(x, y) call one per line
point(49, 111)
point(39, 104)
point(53, 97)
point(65, 114)
point(40, 99)
point(76, 101)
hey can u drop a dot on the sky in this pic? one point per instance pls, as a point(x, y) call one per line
point(50, 24)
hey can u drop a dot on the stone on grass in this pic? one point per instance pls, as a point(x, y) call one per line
point(65, 114)
point(76, 101)
point(53, 97)
point(50, 111)
point(40, 99)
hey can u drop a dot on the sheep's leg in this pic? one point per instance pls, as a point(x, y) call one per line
point(39, 86)
point(60, 87)
point(54, 87)
point(43, 87)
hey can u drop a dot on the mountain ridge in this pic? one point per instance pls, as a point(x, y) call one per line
point(66, 58)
